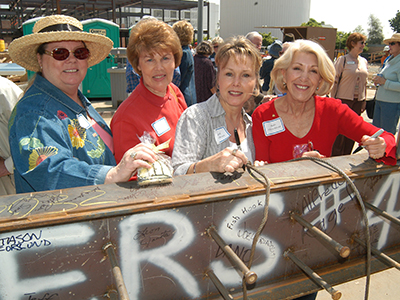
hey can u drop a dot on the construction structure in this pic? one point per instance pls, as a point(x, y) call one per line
point(276, 232)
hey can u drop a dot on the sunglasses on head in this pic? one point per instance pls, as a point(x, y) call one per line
point(392, 43)
point(63, 53)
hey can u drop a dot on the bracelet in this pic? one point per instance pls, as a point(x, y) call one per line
point(194, 167)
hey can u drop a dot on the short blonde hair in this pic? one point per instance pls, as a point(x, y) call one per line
point(217, 40)
point(325, 66)
point(185, 32)
point(153, 36)
point(235, 46)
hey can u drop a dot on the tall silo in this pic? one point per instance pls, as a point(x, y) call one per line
point(242, 16)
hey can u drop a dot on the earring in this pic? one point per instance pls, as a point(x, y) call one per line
point(317, 88)
point(284, 85)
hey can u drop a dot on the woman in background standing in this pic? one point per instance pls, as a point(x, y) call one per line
point(216, 43)
point(185, 32)
point(387, 105)
point(350, 85)
point(205, 72)
point(265, 72)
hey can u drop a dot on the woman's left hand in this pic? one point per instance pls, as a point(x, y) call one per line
point(139, 156)
point(313, 153)
point(376, 147)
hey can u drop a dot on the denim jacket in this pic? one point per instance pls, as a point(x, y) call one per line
point(187, 86)
point(51, 144)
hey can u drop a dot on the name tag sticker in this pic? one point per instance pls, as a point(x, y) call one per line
point(351, 62)
point(273, 127)
point(83, 122)
point(221, 135)
point(161, 126)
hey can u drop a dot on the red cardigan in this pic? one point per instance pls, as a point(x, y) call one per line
point(144, 111)
point(275, 143)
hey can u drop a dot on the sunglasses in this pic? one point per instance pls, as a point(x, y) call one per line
point(392, 43)
point(63, 53)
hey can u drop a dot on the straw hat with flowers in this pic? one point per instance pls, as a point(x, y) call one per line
point(54, 29)
point(395, 38)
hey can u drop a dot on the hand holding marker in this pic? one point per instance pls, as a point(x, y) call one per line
point(375, 135)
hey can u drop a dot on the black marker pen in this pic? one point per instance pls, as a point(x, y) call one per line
point(237, 139)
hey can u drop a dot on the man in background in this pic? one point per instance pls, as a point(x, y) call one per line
point(10, 93)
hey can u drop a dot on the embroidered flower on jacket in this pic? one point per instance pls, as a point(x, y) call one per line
point(61, 115)
point(38, 155)
point(98, 152)
point(77, 134)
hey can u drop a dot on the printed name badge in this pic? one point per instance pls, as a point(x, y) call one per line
point(221, 135)
point(161, 126)
point(83, 122)
point(351, 62)
point(273, 127)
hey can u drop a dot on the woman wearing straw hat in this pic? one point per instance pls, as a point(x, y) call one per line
point(387, 105)
point(57, 138)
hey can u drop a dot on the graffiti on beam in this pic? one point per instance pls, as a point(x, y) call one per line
point(165, 245)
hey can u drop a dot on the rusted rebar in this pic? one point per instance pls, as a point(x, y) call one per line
point(109, 250)
point(336, 295)
point(343, 251)
point(250, 276)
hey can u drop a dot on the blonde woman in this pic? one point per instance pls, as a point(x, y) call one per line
point(303, 122)
point(205, 136)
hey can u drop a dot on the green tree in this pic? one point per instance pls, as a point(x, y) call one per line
point(359, 29)
point(313, 23)
point(395, 22)
point(267, 39)
point(375, 34)
point(341, 38)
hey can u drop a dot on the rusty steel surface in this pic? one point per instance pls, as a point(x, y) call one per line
point(51, 243)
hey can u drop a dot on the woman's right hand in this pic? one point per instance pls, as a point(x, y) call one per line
point(227, 160)
point(379, 80)
point(137, 157)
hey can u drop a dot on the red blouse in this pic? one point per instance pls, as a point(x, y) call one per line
point(144, 111)
point(275, 143)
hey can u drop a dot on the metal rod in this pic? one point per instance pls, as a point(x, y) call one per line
point(390, 261)
point(250, 276)
point(382, 213)
point(123, 293)
point(112, 294)
point(343, 251)
point(220, 287)
point(336, 295)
